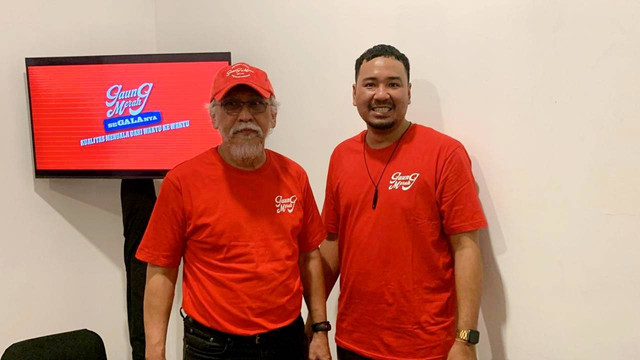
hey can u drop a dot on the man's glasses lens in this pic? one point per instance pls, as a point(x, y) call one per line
point(235, 106)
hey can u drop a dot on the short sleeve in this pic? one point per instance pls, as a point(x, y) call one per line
point(457, 195)
point(312, 233)
point(164, 240)
point(330, 213)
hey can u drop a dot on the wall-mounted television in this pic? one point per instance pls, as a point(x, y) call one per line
point(120, 116)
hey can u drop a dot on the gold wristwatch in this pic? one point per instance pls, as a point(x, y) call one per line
point(470, 336)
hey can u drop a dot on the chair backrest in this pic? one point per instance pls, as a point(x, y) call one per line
point(74, 345)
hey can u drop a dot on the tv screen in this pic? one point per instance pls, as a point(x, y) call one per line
point(120, 116)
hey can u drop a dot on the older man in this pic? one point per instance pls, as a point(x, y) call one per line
point(244, 221)
point(402, 213)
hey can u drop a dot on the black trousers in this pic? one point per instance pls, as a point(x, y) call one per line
point(344, 354)
point(138, 197)
point(204, 343)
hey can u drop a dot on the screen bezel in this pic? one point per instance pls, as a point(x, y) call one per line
point(109, 59)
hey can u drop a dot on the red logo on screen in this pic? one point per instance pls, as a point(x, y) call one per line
point(239, 71)
point(133, 100)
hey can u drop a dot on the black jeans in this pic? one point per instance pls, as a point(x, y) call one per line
point(204, 343)
point(344, 354)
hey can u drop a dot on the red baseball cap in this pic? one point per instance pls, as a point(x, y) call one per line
point(240, 74)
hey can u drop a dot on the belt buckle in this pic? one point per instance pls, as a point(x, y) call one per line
point(258, 339)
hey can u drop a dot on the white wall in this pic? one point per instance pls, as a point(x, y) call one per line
point(544, 96)
point(542, 93)
point(61, 262)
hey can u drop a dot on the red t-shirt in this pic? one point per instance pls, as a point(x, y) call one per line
point(240, 233)
point(397, 292)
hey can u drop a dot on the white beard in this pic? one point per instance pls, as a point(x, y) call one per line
point(247, 151)
point(244, 149)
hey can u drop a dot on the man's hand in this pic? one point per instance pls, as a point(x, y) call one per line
point(152, 357)
point(155, 353)
point(462, 351)
point(319, 346)
point(307, 328)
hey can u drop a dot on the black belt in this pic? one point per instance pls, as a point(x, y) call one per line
point(258, 339)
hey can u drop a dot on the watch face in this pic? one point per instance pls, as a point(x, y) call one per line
point(474, 337)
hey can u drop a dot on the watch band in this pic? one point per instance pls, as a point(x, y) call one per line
point(321, 326)
point(470, 336)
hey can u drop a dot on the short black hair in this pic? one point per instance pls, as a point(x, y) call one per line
point(384, 51)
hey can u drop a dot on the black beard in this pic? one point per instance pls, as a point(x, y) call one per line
point(381, 126)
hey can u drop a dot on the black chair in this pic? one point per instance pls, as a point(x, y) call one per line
point(73, 345)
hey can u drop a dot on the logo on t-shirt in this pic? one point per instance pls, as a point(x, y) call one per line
point(405, 182)
point(285, 204)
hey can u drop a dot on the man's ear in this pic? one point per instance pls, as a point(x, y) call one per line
point(212, 113)
point(274, 116)
point(354, 94)
point(409, 93)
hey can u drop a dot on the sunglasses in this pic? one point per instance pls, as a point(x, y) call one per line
point(234, 107)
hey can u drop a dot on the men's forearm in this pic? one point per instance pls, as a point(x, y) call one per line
point(313, 283)
point(330, 262)
point(468, 277)
point(158, 299)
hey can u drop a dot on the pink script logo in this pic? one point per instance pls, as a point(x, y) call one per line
point(239, 71)
point(402, 181)
point(285, 204)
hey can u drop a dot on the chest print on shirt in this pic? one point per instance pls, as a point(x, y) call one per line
point(404, 182)
point(285, 204)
